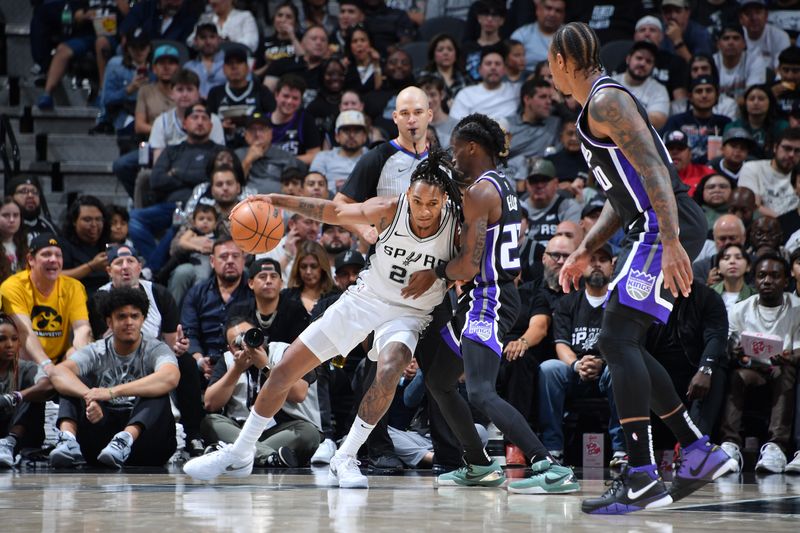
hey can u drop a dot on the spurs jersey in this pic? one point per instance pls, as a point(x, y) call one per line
point(500, 262)
point(616, 175)
point(399, 253)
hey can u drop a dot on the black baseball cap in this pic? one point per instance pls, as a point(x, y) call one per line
point(349, 257)
point(236, 53)
point(607, 249)
point(257, 117)
point(260, 265)
point(121, 250)
point(595, 204)
point(43, 240)
point(676, 138)
point(703, 80)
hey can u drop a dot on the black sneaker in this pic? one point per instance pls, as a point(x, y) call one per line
point(283, 458)
point(634, 490)
point(385, 465)
point(195, 447)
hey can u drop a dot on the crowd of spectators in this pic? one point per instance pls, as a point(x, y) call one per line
point(231, 98)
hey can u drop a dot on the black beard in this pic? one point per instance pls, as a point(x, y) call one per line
point(335, 248)
point(230, 278)
point(551, 278)
point(31, 215)
point(597, 280)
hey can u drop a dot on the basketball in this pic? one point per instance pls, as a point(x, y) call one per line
point(256, 226)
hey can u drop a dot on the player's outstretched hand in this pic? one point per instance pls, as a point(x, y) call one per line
point(572, 271)
point(252, 198)
point(677, 269)
point(418, 283)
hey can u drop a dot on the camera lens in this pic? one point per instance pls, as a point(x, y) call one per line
point(254, 337)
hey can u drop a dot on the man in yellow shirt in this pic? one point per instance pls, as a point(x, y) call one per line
point(47, 305)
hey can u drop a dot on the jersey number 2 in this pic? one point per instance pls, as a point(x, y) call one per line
point(509, 249)
point(398, 274)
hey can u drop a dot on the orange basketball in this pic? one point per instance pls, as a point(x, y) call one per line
point(256, 226)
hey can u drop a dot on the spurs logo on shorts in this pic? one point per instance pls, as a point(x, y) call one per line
point(481, 328)
point(639, 285)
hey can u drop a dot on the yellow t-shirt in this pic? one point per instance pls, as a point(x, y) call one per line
point(52, 317)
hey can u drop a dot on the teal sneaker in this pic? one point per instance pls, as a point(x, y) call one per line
point(474, 476)
point(547, 478)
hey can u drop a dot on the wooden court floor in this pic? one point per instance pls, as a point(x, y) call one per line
point(298, 501)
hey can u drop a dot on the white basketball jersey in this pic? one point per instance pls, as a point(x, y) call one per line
point(399, 253)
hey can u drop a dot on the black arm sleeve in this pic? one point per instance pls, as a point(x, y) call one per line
point(363, 180)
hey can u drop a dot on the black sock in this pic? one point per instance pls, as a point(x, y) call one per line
point(682, 426)
point(477, 458)
point(639, 439)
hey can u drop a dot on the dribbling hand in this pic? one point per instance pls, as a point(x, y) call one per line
point(573, 268)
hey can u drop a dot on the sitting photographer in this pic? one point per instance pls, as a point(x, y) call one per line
point(771, 312)
point(294, 433)
point(579, 369)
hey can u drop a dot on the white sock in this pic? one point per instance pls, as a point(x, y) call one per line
point(359, 432)
point(253, 427)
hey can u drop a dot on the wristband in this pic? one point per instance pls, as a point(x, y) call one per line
point(524, 341)
point(111, 393)
point(575, 365)
point(17, 398)
point(441, 271)
point(45, 364)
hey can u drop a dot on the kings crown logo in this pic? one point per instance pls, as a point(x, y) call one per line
point(639, 285)
point(481, 328)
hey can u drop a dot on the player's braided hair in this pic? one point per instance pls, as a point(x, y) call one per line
point(486, 132)
point(579, 42)
point(437, 169)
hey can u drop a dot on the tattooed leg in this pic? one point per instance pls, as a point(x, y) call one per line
point(394, 358)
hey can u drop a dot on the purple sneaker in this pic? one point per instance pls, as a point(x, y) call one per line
point(636, 489)
point(702, 462)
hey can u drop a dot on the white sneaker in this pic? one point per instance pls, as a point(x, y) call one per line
point(324, 453)
point(67, 453)
point(771, 460)
point(6, 453)
point(794, 466)
point(221, 462)
point(117, 451)
point(733, 452)
point(344, 471)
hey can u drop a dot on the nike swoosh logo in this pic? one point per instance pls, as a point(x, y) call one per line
point(696, 471)
point(231, 468)
point(485, 477)
point(636, 494)
point(400, 234)
point(553, 481)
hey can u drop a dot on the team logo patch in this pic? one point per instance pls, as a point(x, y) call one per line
point(481, 328)
point(639, 285)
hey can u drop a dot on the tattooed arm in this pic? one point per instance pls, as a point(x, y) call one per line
point(606, 226)
point(613, 114)
point(377, 211)
point(478, 203)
